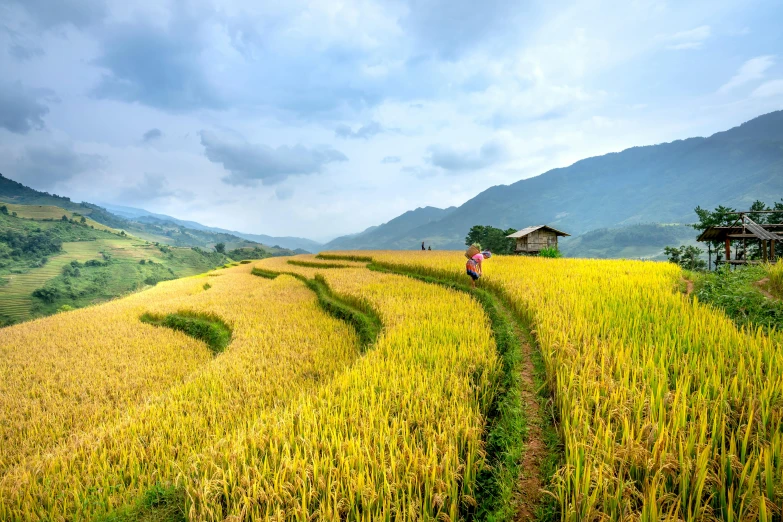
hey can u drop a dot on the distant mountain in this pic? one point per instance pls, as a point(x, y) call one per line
point(657, 183)
point(161, 230)
point(144, 216)
point(391, 235)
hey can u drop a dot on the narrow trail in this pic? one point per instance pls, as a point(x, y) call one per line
point(688, 285)
point(528, 491)
point(761, 286)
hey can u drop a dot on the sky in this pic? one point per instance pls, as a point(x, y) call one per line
point(321, 118)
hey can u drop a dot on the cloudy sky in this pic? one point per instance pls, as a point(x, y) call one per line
point(321, 118)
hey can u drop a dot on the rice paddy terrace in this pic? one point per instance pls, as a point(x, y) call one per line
point(377, 386)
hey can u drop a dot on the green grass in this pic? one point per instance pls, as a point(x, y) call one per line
point(339, 257)
point(159, 504)
point(312, 264)
point(736, 293)
point(205, 327)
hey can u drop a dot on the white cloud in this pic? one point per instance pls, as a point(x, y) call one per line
point(752, 70)
point(769, 89)
point(690, 39)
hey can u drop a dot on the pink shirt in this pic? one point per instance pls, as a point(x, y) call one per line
point(478, 258)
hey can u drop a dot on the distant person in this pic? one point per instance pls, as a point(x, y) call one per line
point(422, 246)
point(473, 266)
point(429, 247)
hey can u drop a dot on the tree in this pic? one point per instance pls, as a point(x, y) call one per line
point(492, 239)
point(83, 220)
point(64, 218)
point(220, 248)
point(4, 210)
point(686, 256)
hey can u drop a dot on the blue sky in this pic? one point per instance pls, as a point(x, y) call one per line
point(322, 118)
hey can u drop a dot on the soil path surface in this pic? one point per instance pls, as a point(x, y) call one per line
point(762, 287)
point(529, 484)
point(688, 286)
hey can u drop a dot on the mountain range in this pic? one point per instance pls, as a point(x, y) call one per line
point(144, 216)
point(651, 184)
point(641, 185)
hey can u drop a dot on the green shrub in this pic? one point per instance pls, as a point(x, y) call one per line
point(47, 294)
point(552, 252)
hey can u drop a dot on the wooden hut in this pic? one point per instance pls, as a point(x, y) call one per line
point(532, 240)
point(743, 229)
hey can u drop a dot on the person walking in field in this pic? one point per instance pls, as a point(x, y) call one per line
point(422, 245)
point(474, 265)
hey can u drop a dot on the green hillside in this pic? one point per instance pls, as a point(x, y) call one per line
point(653, 184)
point(46, 263)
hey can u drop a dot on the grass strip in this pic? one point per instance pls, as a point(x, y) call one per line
point(311, 264)
point(507, 421)
point(159, 504)
point(342, 257)
point(204, 327)
point(358, 314)
point(268, 274)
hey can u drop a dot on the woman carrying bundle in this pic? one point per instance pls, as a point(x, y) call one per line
point(475, 259)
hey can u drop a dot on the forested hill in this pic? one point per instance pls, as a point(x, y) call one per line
point(657, 183)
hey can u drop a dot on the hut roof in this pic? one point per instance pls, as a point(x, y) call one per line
point(528, 230)
point(750, 230)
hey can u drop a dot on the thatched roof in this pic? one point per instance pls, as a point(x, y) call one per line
point(528, 230)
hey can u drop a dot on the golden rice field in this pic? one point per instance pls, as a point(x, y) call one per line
point(665, 409)
point(287, 423)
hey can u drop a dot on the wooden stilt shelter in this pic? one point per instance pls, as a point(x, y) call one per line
point(745, 228)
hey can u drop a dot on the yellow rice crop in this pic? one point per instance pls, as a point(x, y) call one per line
point(667, 410)
point(283, 344)
point(775, 274)
point(279, 426)
point(68, 372)
point(395, 437)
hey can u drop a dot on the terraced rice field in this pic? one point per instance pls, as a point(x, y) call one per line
point(40, 212)
point(16, 295)
point(665, 410)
